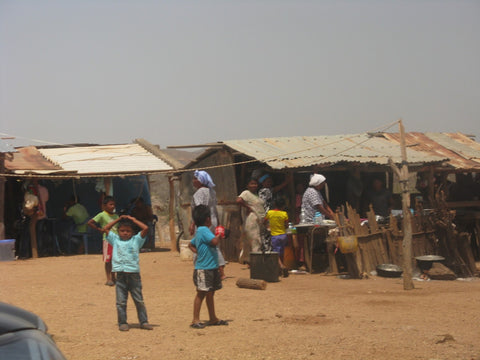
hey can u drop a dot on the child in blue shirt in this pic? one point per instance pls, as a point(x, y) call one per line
point(206, 276)
point(125, 263)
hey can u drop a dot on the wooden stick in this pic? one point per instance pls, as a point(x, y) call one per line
point(171, 213)
point(2, 196)
point(251, 284)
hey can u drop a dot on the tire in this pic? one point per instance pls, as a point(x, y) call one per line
point(178, 240)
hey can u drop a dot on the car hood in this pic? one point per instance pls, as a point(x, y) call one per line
point(13, 318)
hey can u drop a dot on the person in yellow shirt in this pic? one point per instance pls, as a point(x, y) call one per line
point(278, 219)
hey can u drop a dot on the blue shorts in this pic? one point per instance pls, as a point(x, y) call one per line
point(279, 242)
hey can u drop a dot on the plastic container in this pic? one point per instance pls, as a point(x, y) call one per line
point(289, 257)
point(290, 227)
point(348, 244)
point(264, 266)
point(318, 219)
point(185, 253)
point(7, 250)
point(220, 230)
point(302, 216)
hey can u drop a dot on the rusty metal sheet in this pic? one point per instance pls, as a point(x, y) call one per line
point(304, 151)
point(29, 158)
point(462, 152)
point(86, 160)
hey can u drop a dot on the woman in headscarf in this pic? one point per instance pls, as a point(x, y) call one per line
point(267, 190)
point(205, 195)
point(312, 200)
point(253, 225)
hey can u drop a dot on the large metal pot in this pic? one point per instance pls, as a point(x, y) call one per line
point(425, 262)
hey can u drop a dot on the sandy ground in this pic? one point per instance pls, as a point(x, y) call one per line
point(301, 317)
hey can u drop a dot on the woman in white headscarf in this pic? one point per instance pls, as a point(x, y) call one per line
point(312, 200)
point(205, 195)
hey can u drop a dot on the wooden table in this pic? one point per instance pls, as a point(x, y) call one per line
point(308, 231)
point(469, 221)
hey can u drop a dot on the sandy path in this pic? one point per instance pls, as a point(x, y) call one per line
point(301, 317)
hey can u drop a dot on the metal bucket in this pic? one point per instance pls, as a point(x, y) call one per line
point(7, 250)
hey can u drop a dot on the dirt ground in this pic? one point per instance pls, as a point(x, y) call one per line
point(301, 317)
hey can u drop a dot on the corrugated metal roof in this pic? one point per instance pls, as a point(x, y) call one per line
point(105, 159)
point(458, 143)
point(30, 159)
point(6, 147)
point(162, 154)
point(462, 152)
point(304, 151)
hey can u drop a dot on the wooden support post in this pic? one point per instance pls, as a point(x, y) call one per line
point(171, 214)
point(33, 235)
point(407, 221)
point(292, 195)
point(431, 186)
point(243, 175)
point(2, 196)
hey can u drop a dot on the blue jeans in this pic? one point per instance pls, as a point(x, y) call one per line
point(130, 282)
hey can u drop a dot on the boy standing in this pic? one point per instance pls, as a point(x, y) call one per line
point(125, 263)
point(206, 276)
point(97, 223)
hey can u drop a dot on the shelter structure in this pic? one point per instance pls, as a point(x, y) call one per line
point(6, 152)
point(435, 160)
point(85, 171)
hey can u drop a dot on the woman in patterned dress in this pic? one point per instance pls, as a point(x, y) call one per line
point(253, 225)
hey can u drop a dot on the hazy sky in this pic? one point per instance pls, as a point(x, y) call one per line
point(187, 72)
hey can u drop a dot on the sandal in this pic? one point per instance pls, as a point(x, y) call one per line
point(218, 323)
point(197, 326)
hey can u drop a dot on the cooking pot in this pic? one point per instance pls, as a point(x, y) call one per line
point(425, 262)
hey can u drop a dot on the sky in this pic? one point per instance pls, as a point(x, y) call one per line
point(179, 72)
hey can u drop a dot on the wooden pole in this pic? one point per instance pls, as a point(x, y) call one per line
point(171, 214)
point(292, 196)
point(407, 221)
point(2, 196)
point(431, 186)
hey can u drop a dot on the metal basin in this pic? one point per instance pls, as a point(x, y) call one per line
point(389, 270)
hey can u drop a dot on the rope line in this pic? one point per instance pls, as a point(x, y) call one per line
point(179, 171)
